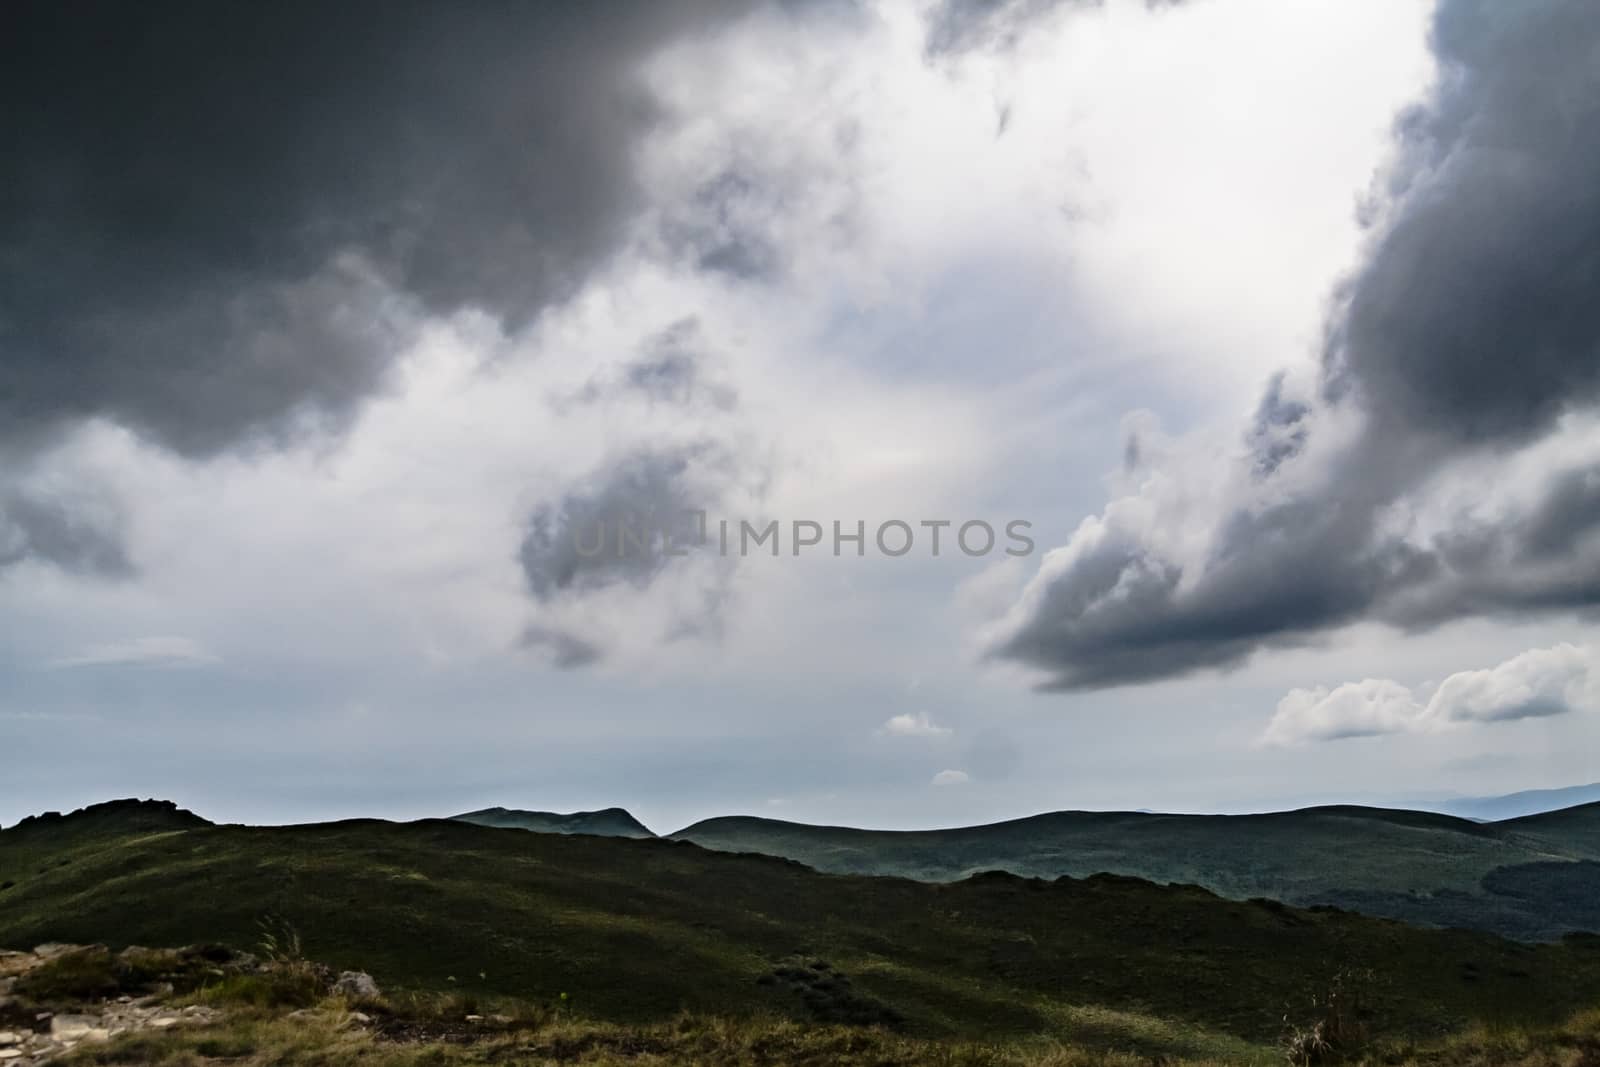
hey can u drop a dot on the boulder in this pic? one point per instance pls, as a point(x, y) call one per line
point(356, 984)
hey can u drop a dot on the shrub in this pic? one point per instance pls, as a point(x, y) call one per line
point(1339, 1030)
point(82, 974)
point(283, 985)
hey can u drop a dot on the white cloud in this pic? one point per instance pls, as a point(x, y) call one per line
point(914, 725)
point(1538, 683)
point(1355, 709)
point(139, 652)
point(951, 778)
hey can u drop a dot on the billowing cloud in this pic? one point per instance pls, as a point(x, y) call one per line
point(1467, 334)
point(1536, 684)
point(1539, 683)
point(221, 229)
point(950, 777)
point(1356, 709)
point(914, 724)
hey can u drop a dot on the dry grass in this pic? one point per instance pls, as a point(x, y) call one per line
point(332, 1035)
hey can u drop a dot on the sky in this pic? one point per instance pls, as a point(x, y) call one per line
point(1214, 386)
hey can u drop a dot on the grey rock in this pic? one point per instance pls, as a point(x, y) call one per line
point(356, 984)
point(73, 1027)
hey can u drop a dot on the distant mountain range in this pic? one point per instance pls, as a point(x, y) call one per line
point(1516, 805)
point(1534, 877)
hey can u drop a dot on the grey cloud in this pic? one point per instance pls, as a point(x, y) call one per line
point(957, 26)
point(1470, 329)
point(671, 368)
point(722, 228)
point(1545, 560)
point(1120, 614)
point(573, 545)
point(566, 650)
point(78, 535)
point(1279, 431)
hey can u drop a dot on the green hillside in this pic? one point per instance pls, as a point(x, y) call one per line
point(608, 822)
point(637, 930)
point(1416, 866)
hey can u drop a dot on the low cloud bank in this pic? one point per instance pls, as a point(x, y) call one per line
point(1539, 683)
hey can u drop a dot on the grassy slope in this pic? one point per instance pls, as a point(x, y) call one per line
point(1415, 866)
point(638, 929)
point(324, 1036)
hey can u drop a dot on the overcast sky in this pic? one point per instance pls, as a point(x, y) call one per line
point(331, 338)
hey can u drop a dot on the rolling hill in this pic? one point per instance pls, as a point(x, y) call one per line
point(1515, 878)
point(608, 822)
point(637, 930)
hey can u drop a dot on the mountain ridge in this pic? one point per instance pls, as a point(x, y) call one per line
point(604, 822)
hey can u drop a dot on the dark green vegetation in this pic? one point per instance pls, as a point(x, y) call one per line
point(634, 931)
point(1521, 878)
point(609, 822)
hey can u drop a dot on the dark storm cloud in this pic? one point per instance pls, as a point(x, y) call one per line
point(219, 220)
point(184, 178)
point(1471, 329)
point(1475, 317)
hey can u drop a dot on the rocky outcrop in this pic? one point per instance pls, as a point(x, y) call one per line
point(35, 990)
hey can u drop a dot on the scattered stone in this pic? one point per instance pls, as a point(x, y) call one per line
point(474, 1018)
point(356, 984)
point(361, 1017)
point(67, 1027)
point(52, 1035)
